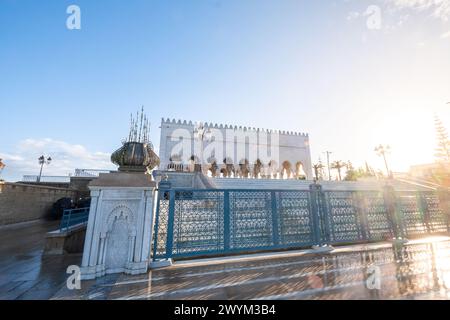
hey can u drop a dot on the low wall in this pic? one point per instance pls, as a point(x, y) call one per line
point(186, 180)
point(62, 242)
point(22, 202)
point(81, 185)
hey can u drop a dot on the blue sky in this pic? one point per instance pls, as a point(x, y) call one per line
point(311, 66)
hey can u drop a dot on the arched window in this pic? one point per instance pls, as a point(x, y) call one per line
point(299, 171)
point(244, 168)
point(229, 167)
point(286, 168)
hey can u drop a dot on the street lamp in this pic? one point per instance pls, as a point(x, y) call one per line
point(202, 132)
point(382, 151)
point(43, 161)
point(328, 164)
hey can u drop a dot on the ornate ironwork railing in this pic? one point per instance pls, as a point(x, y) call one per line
point(217, 222)
point(74, 217)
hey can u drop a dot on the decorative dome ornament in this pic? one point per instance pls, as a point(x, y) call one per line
point(136, 153)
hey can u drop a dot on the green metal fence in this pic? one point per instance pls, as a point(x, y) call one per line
point(202, 222)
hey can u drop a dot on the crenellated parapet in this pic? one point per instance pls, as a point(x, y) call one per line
point(175, 122)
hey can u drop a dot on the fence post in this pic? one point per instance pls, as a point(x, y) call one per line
point(423, 208)
point(170, 222)
point(315, 193)
point(444, 204)
point(362, 209)
point(69, 215)
point(275, 216)
point(159, 194)
point(390, 201)
point(226, 220)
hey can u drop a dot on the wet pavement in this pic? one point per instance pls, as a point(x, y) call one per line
point(24, 272)
point(418, 270)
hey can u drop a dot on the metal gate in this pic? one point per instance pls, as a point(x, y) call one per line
point(205, 222)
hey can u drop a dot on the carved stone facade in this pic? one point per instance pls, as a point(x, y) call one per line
point(119, 231)
point(264, 153)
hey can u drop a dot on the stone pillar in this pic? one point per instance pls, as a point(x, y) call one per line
point(119, 231)
point(393, 212)
point(444, 204)
point(319, 214)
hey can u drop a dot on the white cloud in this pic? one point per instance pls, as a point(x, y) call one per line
point(445, 35)
point(437, 8)
point(66, 158)
point(353, 15)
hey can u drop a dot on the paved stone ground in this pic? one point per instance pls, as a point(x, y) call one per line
point(418, 270)
point(24, 272)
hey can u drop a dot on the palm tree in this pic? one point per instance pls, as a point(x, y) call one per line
point(443, 142)
point(382, 151)
point(318, 169)
point(338, 165)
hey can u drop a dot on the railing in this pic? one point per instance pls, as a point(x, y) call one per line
point(178, 167)
point(74, 217)
point(205, 222)
point(89, 172)
point(52, 179)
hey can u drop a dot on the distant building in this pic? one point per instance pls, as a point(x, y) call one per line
point(232, 151)
point(427, 170)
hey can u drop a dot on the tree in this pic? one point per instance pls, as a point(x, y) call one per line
point(443, 144)
point(351, 174)
point(338, 165)
point(382, 151)
point(318, 167)
point(368, 171)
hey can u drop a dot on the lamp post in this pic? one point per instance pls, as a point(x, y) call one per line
point(382, 151)
point(202, 132)
point(42, 160)
point(328, 164)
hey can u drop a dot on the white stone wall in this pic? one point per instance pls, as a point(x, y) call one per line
point(119, 231)
point(290, 146)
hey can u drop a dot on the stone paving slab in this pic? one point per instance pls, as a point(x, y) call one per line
point(418, 270)
point(24, 272)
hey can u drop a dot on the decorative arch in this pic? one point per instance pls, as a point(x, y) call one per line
point(193, 158)
point(286, 166)
point(299, 171)
point(258, 168)
point(194, 163)
point(118, 241)
point(213, 167)
point(244, 168)
point(272, 168)
point(119, 212)
point(229, 167)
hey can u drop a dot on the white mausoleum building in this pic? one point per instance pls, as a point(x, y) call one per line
point(234, 151)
